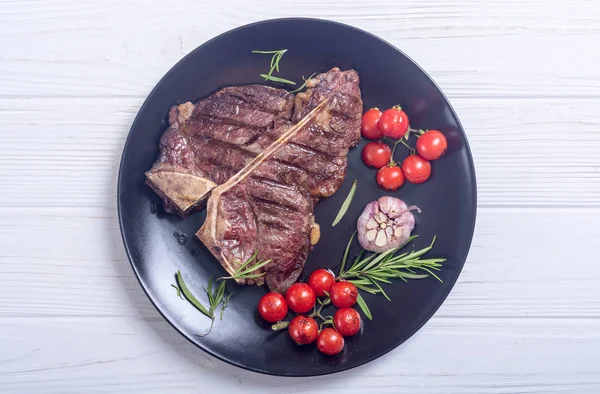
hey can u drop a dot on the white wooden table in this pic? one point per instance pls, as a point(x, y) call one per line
point(524, 77)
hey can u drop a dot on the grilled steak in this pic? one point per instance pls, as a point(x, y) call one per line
point(273, 155)
point(268, 206)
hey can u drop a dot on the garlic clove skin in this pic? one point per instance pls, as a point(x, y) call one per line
point(392, 207)
point(385, 224)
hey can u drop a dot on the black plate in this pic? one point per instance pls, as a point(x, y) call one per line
point(388, 77)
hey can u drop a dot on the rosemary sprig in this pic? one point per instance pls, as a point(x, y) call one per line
point(369, 272)
point(379, 268)
point(277, 79)
point(247, 270)
point(345, 205)
point(303, 85)
point(277, 55)
point(215, 298)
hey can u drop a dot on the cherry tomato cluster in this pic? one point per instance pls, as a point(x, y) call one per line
point(393, 124)
point(301, 298)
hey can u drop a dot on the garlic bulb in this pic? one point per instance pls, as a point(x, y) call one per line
point(385, 224)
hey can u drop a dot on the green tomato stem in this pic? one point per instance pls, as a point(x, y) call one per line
point(282, 325)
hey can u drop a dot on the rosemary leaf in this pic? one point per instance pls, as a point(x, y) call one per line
point(363, 306)
point(209, 288)
point(220, 292)
point(270, 52)
point(346, 253)
point(433, 262)
point(432, 274)
point(379, 277)
point(211, 298)
point(190, 297)
point(379, 258)
point(178, 291)
point(381, 290)
point(303, 85)
point(396, 258)
point(361, 281)
point(254, 255)
point(269, 77)
point(412, 276)
point(254, 267)
point(367, 289)
point(345, 205)
point(224, 305)
point(245, 271)
point(357, 266)
point(360, 255)
point(414, 255)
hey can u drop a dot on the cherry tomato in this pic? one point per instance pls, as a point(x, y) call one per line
point(369, 127)
point(330, 341)
point(416, 169)
point(390, 178)
point(394, 123)
point(343, 294)
point(432, 145)
point(376, 154)
point(347, 321)
point(272, 307)
point(303, 330)
point(300, 297)
point(320, 281)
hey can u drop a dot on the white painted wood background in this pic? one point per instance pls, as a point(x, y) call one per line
point(524, 77)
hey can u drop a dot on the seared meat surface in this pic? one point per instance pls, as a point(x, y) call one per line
point(273, 155)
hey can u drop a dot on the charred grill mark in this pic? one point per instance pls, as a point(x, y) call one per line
point(271, 182)
point(244, 99)
point(259, 201)
point(290, 166)
point(257, 136)
point(220, 148)
point(225, 121)
point(275, 224)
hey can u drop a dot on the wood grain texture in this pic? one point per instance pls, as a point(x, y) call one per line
point(471, 48)
point(524, 316)
point(447, 356)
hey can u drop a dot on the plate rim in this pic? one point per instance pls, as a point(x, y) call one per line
point(120, 176)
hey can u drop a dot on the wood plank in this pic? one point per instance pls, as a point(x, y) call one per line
point(472, 49)
point(66, 152)
point(448, 355)
point(523, 263)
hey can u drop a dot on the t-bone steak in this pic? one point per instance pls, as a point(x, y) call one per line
point(272, 155)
